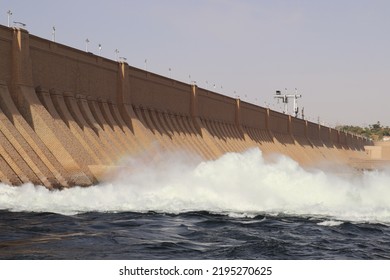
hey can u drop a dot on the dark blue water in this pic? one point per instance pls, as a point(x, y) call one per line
point(239, 206)
point(191, 235)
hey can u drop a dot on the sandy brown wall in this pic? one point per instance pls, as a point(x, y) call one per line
point(149, 90)
point(253, 116)
point(313, 132)
point(216, 107)
point(5, 51)
point(334, 137)
point(59, 67)
point(298, 127)
point(67, 116)
point(278, 122)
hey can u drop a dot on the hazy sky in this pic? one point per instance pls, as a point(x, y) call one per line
point(335, 52)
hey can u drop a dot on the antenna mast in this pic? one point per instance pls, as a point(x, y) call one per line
point(285, 97)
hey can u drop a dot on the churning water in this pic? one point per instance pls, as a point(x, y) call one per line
point(238, 206)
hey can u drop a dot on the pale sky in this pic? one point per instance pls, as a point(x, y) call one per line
point(335, 52)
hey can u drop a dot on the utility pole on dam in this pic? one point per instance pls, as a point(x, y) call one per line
point(9, 14)
point(284, 97)
point(54, 34)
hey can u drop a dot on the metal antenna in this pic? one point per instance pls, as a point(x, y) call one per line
point(296, 96)
point(285, 97)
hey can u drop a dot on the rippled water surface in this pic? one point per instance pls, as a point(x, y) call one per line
point(192, 235)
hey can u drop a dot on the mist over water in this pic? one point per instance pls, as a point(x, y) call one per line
point(235, 184)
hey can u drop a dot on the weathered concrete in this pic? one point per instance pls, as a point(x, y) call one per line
point(379, 155)
point(67, 116)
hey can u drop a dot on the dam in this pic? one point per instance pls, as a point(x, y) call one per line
point(67, 117)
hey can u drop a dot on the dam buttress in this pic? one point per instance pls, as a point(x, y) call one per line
point(67, 117)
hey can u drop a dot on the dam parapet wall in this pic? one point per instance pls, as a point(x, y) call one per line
point(68, 116)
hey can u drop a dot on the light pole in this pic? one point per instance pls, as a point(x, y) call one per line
point(146, 64)
point(100, 49)
point(9, 14)
point(116, 54)
point(21, 24)
point(86, 44)
point(54, 34)
point(122, 59)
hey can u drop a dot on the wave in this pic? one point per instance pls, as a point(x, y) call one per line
point(235, 183)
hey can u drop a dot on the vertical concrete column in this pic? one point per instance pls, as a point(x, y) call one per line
point(306, 131)
point(194, 102)
point(194, 109)
point(207, 138)
point(338, 138)
point(326, 137)
point(123, 99)
point(314, 134)
point(123, 93)
point(21, 63)
point(238, 114)
point(238, 121)
point(289, 127)
point(21, 67)
point(240, 129)
point(268, 124)
point(267, 120)
point(123, 86)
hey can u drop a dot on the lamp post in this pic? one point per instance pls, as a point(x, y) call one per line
point(100, 49)
point(86, 44)
point(20, 24)
point(122, 59)
point(54, 34)
point(9, 14)
point(116, 54)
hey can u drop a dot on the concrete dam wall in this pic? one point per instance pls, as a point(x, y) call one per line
point(67, 116)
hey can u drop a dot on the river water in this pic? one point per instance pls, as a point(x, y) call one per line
point(237, 207)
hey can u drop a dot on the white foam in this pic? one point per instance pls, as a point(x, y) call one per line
point(235, 183)
point(330, 223)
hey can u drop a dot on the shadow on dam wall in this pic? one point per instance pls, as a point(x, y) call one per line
point(67, 116)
